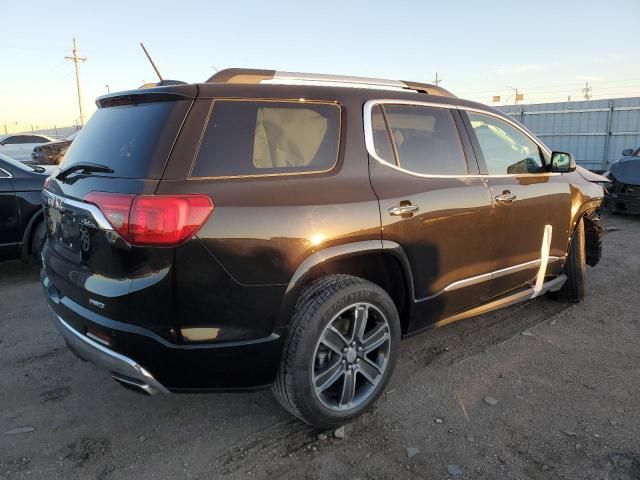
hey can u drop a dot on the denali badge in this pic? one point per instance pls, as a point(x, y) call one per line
point(96, 303)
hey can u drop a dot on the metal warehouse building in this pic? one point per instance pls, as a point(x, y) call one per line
point(595, 131)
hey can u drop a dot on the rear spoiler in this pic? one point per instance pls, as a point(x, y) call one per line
point(165, 93)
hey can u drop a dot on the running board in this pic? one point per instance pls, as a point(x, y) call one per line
point(550, 286)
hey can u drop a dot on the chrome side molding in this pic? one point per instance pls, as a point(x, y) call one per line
point(466, 282)
point(522, 296)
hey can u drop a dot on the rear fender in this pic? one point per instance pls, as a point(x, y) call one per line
point(313, 266)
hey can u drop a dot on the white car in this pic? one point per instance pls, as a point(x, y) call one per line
point(20, 146)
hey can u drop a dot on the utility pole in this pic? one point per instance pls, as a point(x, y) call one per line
point(75, 59)
point(587, 91)
point(517, 97)
point(437, 81)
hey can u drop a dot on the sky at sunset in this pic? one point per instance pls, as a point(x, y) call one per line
point(548, 49)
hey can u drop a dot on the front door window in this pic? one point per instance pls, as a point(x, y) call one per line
point(506, 150)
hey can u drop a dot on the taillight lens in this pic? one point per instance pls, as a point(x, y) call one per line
point(153, 219)
point(116, 207)
point(167, 220)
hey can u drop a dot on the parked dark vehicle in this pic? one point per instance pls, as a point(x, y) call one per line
point(624, 193)
point(51, 153)
point(22, 229)
point(266, 228)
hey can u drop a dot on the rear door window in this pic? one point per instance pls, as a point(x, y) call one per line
point(134, 140)
point(268, 137)
point(425, 140)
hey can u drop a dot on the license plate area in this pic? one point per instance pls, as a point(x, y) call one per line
point(69, 229)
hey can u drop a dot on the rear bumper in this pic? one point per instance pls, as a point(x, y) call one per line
point(123, 369)
point(141, 359)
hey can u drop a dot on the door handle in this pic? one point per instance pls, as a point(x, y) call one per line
point(400, 210)
point(506, 197)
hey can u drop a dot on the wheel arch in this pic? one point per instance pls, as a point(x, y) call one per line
point(27, 236)
point(588, 213)
point(381, 262)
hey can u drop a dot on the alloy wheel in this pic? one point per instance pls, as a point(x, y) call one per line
point(351, 357)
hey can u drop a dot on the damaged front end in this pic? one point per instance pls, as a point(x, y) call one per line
point(593, 232)
point(624, 195)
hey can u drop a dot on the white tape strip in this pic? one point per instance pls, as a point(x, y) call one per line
point(544, 259)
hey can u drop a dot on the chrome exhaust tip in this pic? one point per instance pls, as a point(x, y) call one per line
point(134, 385)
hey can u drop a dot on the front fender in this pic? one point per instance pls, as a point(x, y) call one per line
point(585, 197)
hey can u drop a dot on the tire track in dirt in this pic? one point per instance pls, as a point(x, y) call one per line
point(277, 440)
point(438, 348)
point(492, 329)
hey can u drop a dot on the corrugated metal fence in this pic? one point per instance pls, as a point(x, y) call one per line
point(595, 131)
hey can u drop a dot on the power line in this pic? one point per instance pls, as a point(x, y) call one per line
point(75, 59)
point(547, 88)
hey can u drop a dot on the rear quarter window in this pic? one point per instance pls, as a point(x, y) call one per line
point(255, 138)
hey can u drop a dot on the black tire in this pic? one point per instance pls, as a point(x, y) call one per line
point(574, 288)
point(38, 237)
point(320, 304)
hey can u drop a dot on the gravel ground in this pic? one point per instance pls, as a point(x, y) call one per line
point(539, 390)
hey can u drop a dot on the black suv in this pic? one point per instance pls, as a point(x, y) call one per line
point(268, 228)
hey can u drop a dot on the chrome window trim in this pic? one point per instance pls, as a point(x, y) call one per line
point(527, 134)
point(8, 174)
point(368, 138)
point(57, 201)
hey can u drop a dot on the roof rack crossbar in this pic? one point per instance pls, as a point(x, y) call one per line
point(253, 76)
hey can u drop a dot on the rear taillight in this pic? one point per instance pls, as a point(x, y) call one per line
point(153, 219)
point(116, 207)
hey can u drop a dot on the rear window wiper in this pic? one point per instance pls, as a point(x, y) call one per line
point(83, 167)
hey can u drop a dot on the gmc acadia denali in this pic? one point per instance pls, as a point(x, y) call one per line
point(279, 229)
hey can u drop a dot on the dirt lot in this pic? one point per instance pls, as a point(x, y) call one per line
point(566, 379)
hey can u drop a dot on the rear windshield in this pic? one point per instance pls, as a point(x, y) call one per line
point(133, 140)
point(268, 137)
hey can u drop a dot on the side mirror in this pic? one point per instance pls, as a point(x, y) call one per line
point(562, 162)
point(627, 152)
